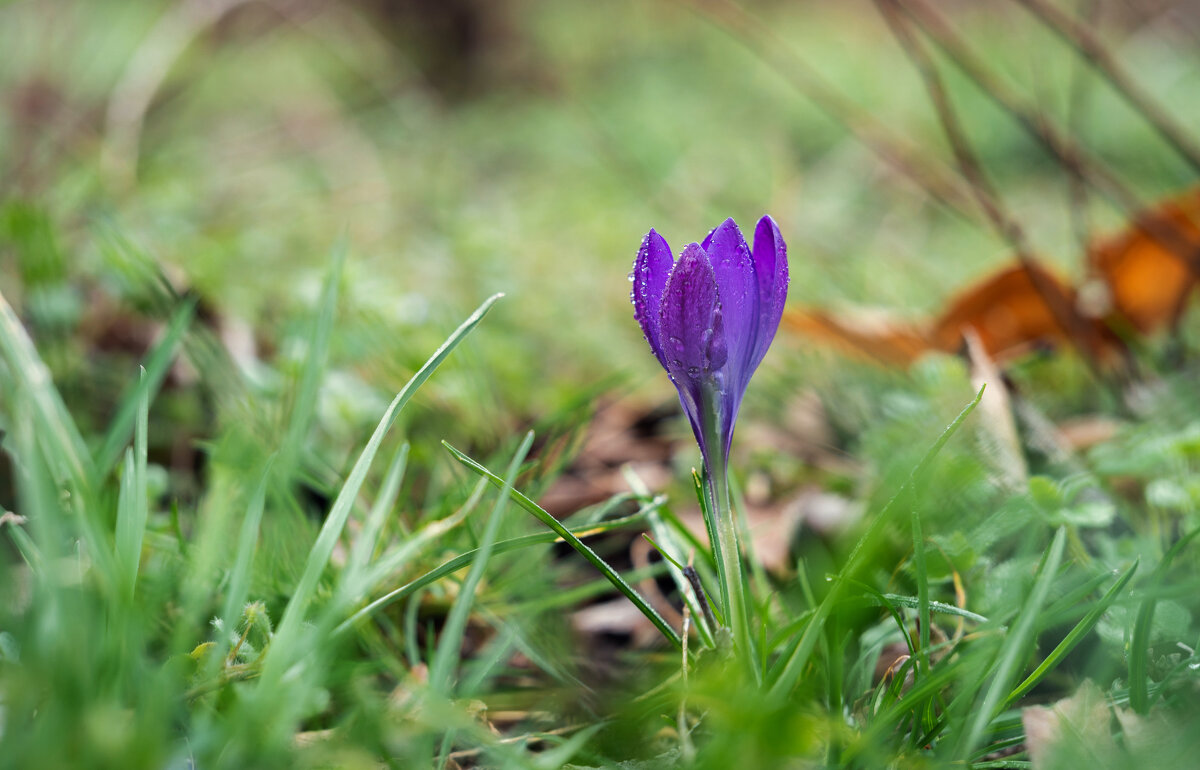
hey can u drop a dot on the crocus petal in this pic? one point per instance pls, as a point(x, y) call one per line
point(771, 270)
point(691, 325)
point(650, 272)
point(738, 287)
point(709, 319)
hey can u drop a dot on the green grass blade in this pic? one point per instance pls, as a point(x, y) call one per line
point(30, 553)
point(65, 451)
point(668, 542)
point(133, 505)
point(449, 647)
point(308, 384)
point(710, 525)
point(352, 583)
point(576, 595)
point(558, 756)
point(393, 560)
point(1139, 643)
point(1074, 636)
point(793, 666)
point(1068, 605)
point(665, 545)
point(922, 593)
point(239, 577)
point(1014, 647)
point(127, 538)
point(504, 546)
point(289, 626)
point(873, 595)
point(913, 602)
point(587, 553)
point(158, 362)
point(384, 502)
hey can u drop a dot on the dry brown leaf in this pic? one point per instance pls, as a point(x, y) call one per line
point(1081, 433)
point(1012, 316)
point(1147, 283)
point(620, 433)
point(873, 335)
point(1074, 732)
point(995, 408)
point(616, 616)
point(1006, 309)
point(1139, 279)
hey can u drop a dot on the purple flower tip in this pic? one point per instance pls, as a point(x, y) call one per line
point(710, 316)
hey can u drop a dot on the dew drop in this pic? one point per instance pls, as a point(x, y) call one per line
point(693, 372)
point(631, 276)
point(678, 344)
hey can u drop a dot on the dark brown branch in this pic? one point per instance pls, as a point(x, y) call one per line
point(1090, 47)
point(1061, 307)
point(1077, 191)
point(1074, 158)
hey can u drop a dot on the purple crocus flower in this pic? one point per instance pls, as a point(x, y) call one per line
point(709, 318)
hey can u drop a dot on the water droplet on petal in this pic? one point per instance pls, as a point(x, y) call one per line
point(678, 343)
point(693, 371)
point(630, 276)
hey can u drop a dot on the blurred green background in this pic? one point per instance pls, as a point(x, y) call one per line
point(463, 148)
point(223, 152)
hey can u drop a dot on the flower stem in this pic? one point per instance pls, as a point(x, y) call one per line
point(724, 530)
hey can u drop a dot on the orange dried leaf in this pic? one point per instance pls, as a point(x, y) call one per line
point(1148, 282)
point(871, 335)
point(1010, 314)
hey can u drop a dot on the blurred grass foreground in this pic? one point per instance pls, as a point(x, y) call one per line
point(245, 523)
